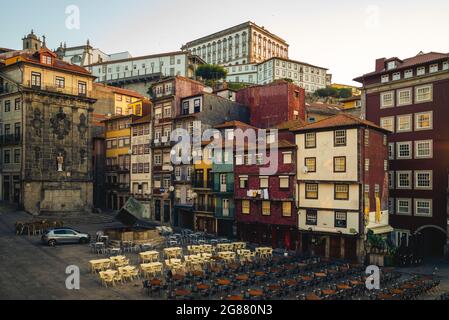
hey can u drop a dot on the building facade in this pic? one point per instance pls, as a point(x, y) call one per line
point(342, 187)
point(286, 98)
point(45, 126)
point(409, 98)
point(304, 75)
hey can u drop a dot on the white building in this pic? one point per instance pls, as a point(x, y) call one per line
point(86, 55)
point(342, 187)
point(305, 75)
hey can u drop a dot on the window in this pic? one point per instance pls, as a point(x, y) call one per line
point(35, 79)
point(310, 164)
point(311, 217)
point(245, 207)
point(404, 123)
point(82, 88)
point(391, 180)
point(367, 163)
point(408, 73)
point(185, 107)
point(423, 180)
point(263, 182)
point(286, 209)
point(433, 68)
point(387, 123)
point(7, 105)
point(239, 160)
point(60, 82)
point(403, 179)
point(387, 99)
point(420, 71)
point(404, 97)
point(446, 65)
point(366, 137)
point(396, 76)
point(16, 155)
point(340, 219)
point(404, 150)
point(7, 157)
point(424, 149)
point(287, 157)
point(158, 159)
point(424, 120)
point(311, 190)
point(284, 182)
point(423, 94)
point(403, 206)
point(243, 182)
point(423, 207)
point(266, 208)
point(340, 138)
point(391, 151)
point(341, 192)
point(17, 104)
point(310, 140)
point(340, 164)
point(385, 78)
point(385, 165)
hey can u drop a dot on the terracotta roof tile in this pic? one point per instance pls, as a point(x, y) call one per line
point(231, 124)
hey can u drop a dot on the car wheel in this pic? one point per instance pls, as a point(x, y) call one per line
point(83, 240)
point(52, 243)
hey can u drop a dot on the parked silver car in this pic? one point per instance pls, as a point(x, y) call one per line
point(55, 236)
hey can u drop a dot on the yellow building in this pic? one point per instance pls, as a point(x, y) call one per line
point(351, 103)
point(204, 201)
point(355, 90)
point(121, 98)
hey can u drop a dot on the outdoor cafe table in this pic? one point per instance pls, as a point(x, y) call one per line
point(224, 247)
point(151, 267)
point(235, 298)
point(96, 263)
point(306, 278)
point(328, 292)
point(274, 287)
point(291, 282)
point(320, 275)
point(312, 297)
point(117, 259)
point(202, 286)
point(173, 252)
point(356, 282)
point(242, 277)
point(238, 245)
point(255, 293)
point(343, 287)
point(151, 256)
point(156, 282)
point(227, 255)
point(182, 292)
point(178, 277)
point(223, 282)
point(260, 273)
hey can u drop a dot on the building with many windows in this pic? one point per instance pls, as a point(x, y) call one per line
point(409, 97)
point(342, 189)
point(45, 129)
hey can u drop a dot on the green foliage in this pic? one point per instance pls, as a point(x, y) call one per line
point(237, 86)
point(288, 80)
point(211, 72)
point(150, 91)
point(334, 93)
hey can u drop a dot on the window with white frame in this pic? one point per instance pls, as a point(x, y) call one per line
point(385, 165)
point(404, 123)
point(423, 180)
point(420, 71)
point(408, 73)
point(423, 93)
point(385, 78)
point(310, 140)
point(423, 207)
point(366, 165)
point(403, 179)
point(396, 76)
point(424, 120)
point(340, 138)
point(424, 149)
point(387, 123)
point(391, 151)
point(387, 99)
point(238, 160)
point(446, 65)
point(433, 68)
point(284, 182)
point(403, 206)
point(287, 157)
point(404, 97)
point(263, 182)
point(391, 180)
point(404, 150)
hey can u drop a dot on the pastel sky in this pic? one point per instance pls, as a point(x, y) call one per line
point(344, 36)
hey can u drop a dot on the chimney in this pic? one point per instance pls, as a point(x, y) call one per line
point(380, 64)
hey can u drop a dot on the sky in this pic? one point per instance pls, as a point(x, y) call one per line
point(344, 36)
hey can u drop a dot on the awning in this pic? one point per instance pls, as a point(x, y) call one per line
point(381, 229)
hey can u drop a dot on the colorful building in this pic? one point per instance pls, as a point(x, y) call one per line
point(351, 103)
point(342, 186)
point(409, 97)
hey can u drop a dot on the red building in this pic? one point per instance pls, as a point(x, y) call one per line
point(274, 103)
point(410, 97)
point(264, 205)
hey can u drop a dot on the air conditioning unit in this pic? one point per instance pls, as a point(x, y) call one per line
point(305, 170)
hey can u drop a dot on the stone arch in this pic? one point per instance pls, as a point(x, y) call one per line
point(430, 226)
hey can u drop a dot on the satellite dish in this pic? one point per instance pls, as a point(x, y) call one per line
point(208, 90)
point(172, 189)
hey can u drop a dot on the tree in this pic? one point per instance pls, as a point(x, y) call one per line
point(211, 73)
point(334, 93)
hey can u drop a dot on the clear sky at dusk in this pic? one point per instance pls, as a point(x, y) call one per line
point(344, 36)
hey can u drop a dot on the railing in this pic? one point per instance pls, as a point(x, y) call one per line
point(118, 168)
point(51, 87)
point(204, 208)
point(117, 186)
point(10, 139)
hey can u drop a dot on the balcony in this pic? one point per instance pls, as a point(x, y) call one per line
point(201, 184)
point(10, 140)
point(204, 208)
point(117, 186)
point(141, 196)
point(52, 88)
point(117, 168)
